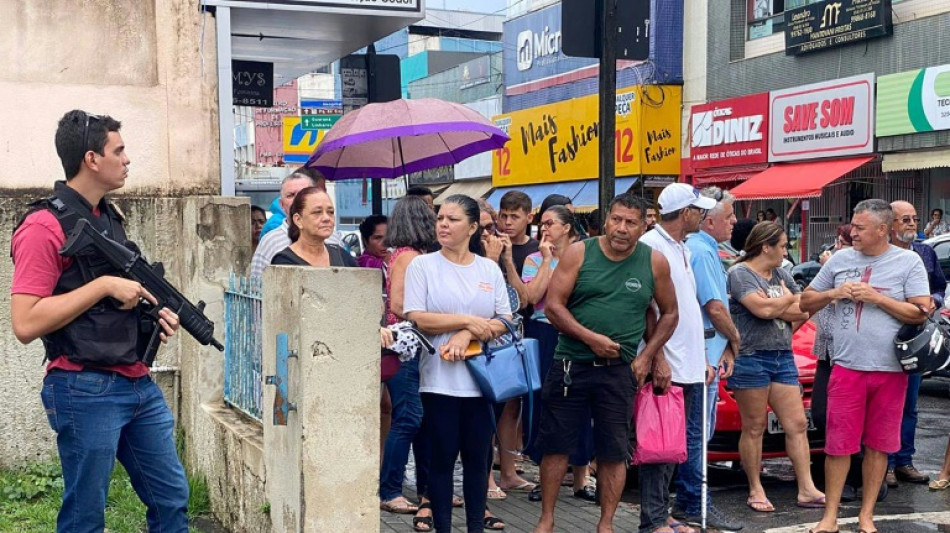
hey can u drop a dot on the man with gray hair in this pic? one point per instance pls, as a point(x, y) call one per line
point(275, 241)
point(878, 288)
point(900, 465)
point(721, 344)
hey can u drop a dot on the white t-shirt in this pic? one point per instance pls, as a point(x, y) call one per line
point(686, 350)
point(436, 285)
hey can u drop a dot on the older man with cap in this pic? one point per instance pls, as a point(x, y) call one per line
point(681, 210)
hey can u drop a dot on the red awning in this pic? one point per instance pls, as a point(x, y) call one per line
point(726, 175)
point(796, 180)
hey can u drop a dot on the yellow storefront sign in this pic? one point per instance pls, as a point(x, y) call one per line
point(299, 143)
point(559, 142)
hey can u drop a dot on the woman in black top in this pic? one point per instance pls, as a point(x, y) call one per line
point(310, 224)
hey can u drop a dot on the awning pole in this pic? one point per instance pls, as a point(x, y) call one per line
point(222, 19)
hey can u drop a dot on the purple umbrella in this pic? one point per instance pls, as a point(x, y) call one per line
point(395, 138)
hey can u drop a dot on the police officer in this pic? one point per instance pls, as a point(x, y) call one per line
point(98, 395)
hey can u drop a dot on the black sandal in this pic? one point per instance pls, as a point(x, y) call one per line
point(423, 523)
point(494, 523)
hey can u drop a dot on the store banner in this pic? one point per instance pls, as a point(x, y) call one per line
point(560, 142)
point(299, 143)
point(532, 48)
point(828, 119)
point(913, 102)
point(730, 132)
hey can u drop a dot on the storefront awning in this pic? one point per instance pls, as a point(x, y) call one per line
point(796, 180)
point(703, 178)
point(538, 192)
point(474, 188)
point(915, 160)
point(587, 199)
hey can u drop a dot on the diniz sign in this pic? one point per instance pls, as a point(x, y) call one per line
point(826, 119)
point(730, 132)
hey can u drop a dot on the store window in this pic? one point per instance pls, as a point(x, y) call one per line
point(768, 16)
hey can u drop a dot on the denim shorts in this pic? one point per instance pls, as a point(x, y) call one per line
point(758, 370)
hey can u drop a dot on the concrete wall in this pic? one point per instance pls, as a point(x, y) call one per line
point(143, 62)
point(322, 467)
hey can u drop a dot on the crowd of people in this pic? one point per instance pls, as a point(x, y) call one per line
point(638, 297)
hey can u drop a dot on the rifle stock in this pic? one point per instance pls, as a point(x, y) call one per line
point(84, 239)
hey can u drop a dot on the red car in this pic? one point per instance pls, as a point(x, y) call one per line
point(724, 445)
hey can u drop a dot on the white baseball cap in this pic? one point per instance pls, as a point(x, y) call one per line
point(676, 196)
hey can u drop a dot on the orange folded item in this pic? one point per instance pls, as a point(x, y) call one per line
point(474, 348)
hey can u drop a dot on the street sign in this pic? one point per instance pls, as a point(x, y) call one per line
point(318, 122)
point(581, 31)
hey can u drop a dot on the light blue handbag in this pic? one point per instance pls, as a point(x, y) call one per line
point(508, 369)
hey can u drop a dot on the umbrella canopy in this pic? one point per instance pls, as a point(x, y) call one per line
point(395, 138)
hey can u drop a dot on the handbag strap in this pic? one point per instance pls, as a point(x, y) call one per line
point(515, 338)
point(531, 392)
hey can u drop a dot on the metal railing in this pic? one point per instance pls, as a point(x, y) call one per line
point(242, 345)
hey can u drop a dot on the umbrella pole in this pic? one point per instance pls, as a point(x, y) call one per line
point(402, 159)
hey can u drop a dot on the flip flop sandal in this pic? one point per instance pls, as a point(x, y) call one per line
point(525, 486)
point(397, 506)
point(678, 527)
point(457, 501)
point(496, 493)
point(939, 484)
point(763, 506)
point(494, 523)
point(816, 503)
point(424, 524)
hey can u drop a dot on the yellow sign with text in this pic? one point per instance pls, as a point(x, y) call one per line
point(299, 143)
point(560, 141)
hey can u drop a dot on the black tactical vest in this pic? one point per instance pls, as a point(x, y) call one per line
point(104, 335)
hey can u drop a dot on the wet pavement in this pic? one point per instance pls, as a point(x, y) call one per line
point(907, 509)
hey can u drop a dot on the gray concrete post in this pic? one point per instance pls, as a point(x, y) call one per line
point(322, 468)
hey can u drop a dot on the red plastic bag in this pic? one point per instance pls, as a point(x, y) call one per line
point(661, 427)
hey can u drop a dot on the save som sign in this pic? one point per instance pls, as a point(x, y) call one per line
point(826, 119)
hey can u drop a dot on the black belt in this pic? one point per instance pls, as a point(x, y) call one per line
point(709, 333)
point(602, 361)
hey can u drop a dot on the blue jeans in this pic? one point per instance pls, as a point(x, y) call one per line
point(689, 475)
point(905, 457)
point(406, 421)
point(101, 416)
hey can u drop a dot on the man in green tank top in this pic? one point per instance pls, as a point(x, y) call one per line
point(598, 300)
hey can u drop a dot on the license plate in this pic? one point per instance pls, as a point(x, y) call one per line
point(776, 427)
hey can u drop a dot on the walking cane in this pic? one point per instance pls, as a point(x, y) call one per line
point(705, 463)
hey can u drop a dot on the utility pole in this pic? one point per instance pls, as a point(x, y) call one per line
point(377, 183)
point(607, 9)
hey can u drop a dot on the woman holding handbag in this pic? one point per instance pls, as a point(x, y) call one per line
point(411, 233)
point(453, 296)
point(557, 233)
point(764, 304)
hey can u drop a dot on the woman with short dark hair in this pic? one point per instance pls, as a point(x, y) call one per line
point(311, 222)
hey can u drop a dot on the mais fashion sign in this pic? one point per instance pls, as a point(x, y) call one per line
point(560, 141)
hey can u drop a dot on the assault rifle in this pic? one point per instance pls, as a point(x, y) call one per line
point(84, 239)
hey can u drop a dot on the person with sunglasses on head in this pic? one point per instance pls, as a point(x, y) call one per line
point(900, 465)
point(99, 396)
point(682, 209)
point(765, 309)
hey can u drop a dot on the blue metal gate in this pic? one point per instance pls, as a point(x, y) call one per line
point(242, 345)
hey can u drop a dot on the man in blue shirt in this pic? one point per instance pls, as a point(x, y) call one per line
point(900, 465)
point(722, 343)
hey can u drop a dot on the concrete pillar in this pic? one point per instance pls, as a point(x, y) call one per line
point(322, 467)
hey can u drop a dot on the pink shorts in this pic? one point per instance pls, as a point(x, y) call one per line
point(864, 406)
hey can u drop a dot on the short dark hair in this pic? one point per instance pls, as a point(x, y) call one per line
point(564, 216)
point(419, 190)
point(553, 200)
point(936, 210)
point(412, 224)
point(630, 201)
point(740, 232)
point(259, 209)
point(596, 220)
point(297, 206)
point(72, 130)
point(368, 225)
point(515, 200)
